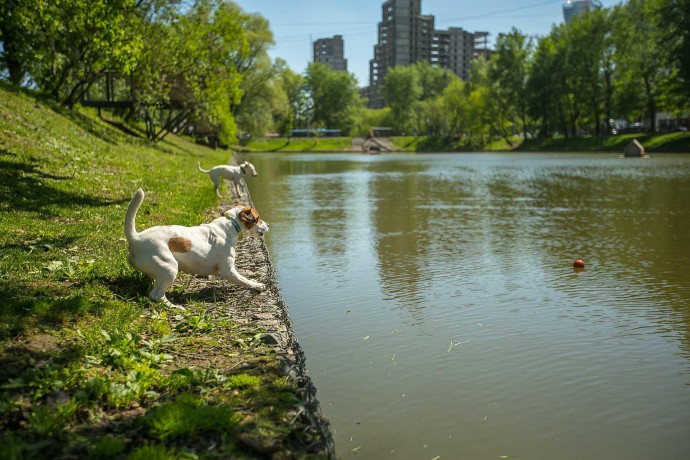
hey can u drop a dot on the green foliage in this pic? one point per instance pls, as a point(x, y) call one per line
point(674, 27)
point(334, 95)
point(508, 72)
point(187, 417)
point(64, 45)
point(153, 452)
point(107, 447)
point(244, 381)
point(402, 92)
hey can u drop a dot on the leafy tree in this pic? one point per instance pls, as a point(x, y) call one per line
point(370, 118)
point(585, 48)
point(335, 97)
point(293, 86)
point(402, 91)
point(432, 79)
point(639, 58)
point(673, 22)
point(15, 37)
point(261, 99)
point(455, 105)
point(187, 76)
point(73, 42)
point(509, 70)
point(543, 87)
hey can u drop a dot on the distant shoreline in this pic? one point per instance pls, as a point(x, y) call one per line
point(677, 142)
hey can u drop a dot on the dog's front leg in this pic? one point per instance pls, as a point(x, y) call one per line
point(237, 189)
point(230, 273)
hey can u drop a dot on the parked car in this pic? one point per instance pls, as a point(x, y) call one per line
point(683, 129)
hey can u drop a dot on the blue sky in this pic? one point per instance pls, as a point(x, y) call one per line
point(296, 23)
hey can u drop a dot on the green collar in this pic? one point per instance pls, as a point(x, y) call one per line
point(236, 225)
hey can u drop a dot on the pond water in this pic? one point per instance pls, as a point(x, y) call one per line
point(436, 301)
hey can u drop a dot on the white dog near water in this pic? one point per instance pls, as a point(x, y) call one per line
point(230, 173)
point(207, 249)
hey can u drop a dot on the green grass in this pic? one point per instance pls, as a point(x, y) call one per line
point(667, 143)
point(310, 144)
point(89, 367)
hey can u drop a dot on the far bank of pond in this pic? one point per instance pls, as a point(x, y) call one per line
point(678, 142)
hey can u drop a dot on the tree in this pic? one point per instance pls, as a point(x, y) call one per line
point(73, 42)
point(673, 22)
point(509, 70)
point(455, 105)
point(187, 76)
point(335, 97)
point(14, 28)
point(293, 86)
point(261, 99)
point(432, 79)
point(639, 58)
point(587, 60)
point(402, 91)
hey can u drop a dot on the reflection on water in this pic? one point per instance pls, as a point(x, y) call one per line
point(435, 298)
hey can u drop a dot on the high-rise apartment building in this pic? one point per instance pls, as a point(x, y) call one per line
point(453, 49)
point(572, 8)
point(330, 51)
point(405, 36)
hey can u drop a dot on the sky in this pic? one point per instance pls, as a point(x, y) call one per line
point(297, 23)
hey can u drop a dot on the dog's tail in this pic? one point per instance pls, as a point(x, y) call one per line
point(130, 226)
point(198, 166)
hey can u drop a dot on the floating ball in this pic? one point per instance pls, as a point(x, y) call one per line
point(579, 263)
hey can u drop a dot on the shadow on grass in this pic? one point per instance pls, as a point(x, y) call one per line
point(32, 352)
point(42, 244)
point(23, 187)
point(93, 126)
point(34, 304)
point(128, 286)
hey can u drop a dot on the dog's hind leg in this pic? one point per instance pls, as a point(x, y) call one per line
point(216, 183)
point(163, 278)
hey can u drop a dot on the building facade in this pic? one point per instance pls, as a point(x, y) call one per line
point(331, 52)
point(572, 8)
point(406, 36)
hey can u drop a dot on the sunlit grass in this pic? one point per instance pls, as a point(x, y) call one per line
point(86, 356)
point(297, 144)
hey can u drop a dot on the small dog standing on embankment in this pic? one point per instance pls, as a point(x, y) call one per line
point(207, 249)
point(230, 173)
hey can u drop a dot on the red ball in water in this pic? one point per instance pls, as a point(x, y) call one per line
point(579, 263)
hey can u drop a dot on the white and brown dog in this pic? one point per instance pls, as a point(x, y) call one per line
point(207, 249)
point(230, 173)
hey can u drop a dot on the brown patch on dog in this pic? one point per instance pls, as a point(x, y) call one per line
point(249, 216)
point(179, 244)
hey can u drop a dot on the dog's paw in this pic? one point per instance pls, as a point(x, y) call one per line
point(169, 304)
point(258, 287)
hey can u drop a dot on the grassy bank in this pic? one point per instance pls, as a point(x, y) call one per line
point(282, 144)
point(653, 143)
point(89, 367)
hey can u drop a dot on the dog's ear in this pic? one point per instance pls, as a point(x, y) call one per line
point(249, 216)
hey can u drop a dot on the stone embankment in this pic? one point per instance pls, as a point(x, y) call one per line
point(266, 317)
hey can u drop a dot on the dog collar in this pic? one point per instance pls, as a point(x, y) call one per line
point(236, 225)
